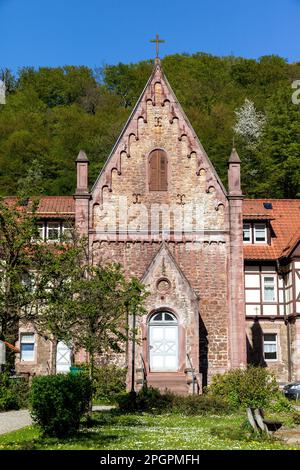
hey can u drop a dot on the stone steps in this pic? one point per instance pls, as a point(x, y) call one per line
point(176, 382)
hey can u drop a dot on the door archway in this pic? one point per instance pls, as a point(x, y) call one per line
point(163, 342)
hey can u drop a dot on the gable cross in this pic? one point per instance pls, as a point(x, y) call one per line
point(158, 41)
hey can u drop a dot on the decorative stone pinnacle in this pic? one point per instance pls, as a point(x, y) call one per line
point(82, 157)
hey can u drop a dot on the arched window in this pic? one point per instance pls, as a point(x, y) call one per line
point(163, 317)
point(158, 171)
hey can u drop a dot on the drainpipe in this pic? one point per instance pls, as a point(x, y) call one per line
point(286, 322)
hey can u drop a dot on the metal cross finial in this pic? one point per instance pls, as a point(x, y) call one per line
point(158, 41)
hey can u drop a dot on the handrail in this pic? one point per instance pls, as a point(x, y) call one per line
point(144, 383)
point(194, 377)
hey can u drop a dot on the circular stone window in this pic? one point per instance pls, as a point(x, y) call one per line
point(163, 285)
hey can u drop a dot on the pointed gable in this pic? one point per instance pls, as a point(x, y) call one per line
point(158, 107)
point(164, 268)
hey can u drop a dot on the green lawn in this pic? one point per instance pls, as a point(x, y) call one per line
point(113, 431)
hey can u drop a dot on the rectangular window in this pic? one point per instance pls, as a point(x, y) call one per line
point(53, 231)
point(27, 347)
point(247, 233)
point(41, 231)
point(260, 233)
point(270, 346)
point(67, 231)
point(269, 292)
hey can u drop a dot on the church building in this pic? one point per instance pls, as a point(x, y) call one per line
point(222, 271)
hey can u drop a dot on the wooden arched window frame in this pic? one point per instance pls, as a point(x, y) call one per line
point(158, 171)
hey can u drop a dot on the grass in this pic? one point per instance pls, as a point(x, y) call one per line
point(113, 431)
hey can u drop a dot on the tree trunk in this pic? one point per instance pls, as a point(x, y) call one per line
point(91, 376)
point(53, 356)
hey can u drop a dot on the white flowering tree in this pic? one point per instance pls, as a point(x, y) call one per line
point(250, 123)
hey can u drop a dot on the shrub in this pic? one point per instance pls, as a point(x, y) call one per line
point(201, 405)
point(280, 404)
point(13, 392)
point(152, 400)
point(254, 387)
point(147, 399)
point(108, 382)
point(59, 401)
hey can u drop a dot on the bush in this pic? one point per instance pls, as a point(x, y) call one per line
point(13, 392)
point(201, 405)
point(152, 400)
point(59, 401)
point(280, 404)
point(254, 387)
point(147, 399)
point(108, 382)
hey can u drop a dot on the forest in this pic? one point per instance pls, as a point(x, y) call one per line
point(52, 113)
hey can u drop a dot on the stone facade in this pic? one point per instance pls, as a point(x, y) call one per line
point(192, 231)
point(184, 240)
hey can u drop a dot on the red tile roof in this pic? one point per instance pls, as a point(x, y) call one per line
point(52, 206)
point(284, 218)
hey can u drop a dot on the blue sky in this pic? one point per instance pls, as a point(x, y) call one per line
point(97, 32)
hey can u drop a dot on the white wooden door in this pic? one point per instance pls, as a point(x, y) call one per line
point(63, 358)
point(163, 348)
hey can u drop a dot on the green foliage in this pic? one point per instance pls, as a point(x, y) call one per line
point(254, 387)
point(147, 399)
point(108, 382)
point(13, 392)
point(280, 404)
point(19, 254)
point(201, 405)
point(59, 401)
point(104, 300)
point(51, 113)
point(151, 400)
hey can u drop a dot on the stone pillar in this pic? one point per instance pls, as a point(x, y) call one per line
point(237, 321)
point(82, 195)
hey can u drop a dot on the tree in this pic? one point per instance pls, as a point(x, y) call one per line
point(32, 183)
point(18, 255)
point(250, 123)
point(61, 265)
point(104, 301)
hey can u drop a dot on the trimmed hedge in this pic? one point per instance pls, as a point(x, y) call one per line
point(59, 401)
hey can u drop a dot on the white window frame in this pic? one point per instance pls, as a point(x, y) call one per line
point(66, 228)
point(250, 233)
point(274, 277)
point(52, 240)
point(42, 225)
point(22, 335)
point(270, 343)
point(266, 234)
